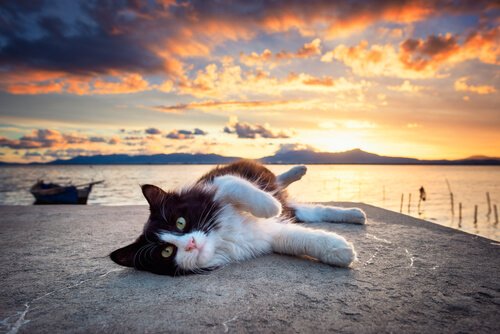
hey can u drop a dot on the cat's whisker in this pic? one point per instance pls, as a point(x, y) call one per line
point(212, 223)
point(202, 224)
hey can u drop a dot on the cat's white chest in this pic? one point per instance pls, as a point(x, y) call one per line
point(241, 237)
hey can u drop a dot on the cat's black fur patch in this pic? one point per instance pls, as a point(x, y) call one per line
point(196, 205)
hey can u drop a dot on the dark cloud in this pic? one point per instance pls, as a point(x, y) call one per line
point(418, 54)
point(87, 45)
point(28, 155)
point(200, 132)
point(97, 139)
point(185, 134)
point(114, 141)
point(153, 131)
point(41, 138)
point(292, 147)
point(178, 135)
point(48, 138)
point(247, 130)
point(99, 37)
point(432, 46)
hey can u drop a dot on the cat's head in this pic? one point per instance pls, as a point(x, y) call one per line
point(178, 236)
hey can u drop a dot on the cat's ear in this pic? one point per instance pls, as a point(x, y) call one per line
point(153, 194)
point(125, 256)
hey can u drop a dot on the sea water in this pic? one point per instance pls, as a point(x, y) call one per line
point(386, 186)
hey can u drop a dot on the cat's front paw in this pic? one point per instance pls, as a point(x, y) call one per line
point(267, 206)
point(355, 216)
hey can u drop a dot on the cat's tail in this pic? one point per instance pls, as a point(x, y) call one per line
point(290, 176)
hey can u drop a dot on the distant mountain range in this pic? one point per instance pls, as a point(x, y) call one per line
point(356, 156)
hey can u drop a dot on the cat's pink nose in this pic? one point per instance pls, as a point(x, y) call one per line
point(190, 245)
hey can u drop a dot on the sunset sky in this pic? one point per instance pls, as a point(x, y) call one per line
point(249, 78)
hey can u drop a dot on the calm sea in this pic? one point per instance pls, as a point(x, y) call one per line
point(381, 186)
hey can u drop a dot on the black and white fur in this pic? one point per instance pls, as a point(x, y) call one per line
point(231, 214)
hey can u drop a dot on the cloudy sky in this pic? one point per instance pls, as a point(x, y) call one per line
point(248, 78)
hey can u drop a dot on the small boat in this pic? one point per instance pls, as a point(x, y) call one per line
point(52, 193)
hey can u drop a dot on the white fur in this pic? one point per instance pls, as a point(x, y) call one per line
point(318, 213)
point(290, 176)
point(246, 196)
point(249, 225)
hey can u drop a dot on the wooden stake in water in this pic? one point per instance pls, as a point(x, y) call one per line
point(409, 202)
point(475, 214)
point(460, 215)
point(496, 213)
point(489, 203)
point(401, 206)
point(451, 198)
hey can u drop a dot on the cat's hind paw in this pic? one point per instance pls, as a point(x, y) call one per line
point(340, 256)
point(343, 257)
point(297, 172)
point(355, 216)
point(292, 175)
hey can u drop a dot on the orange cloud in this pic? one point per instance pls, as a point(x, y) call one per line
point(159, 37)
point(419, 55)
point(129, 83)
point(53, 139)
point(483, 45)
point(36, 88)
point(226, 105)
point(462, 86)
point(310, 49)
point(418, 58)
point(268, 58)
point(399, 12)
point(35, 82)
point(324, 81)
point(407, 87)
point(230, 81)
point(373, 61)
point(43, 138)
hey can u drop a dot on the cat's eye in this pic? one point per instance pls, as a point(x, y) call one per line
point(180, 223)
point(167, 252)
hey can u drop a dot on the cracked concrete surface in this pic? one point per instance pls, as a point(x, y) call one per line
point(412, 276)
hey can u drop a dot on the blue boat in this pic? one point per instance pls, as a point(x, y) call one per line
point(53, 193)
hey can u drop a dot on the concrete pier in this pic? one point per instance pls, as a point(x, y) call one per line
point(412, 277)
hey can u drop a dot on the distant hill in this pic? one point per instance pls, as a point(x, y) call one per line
point(481, 158)
point(356, 156)
point(156, 159)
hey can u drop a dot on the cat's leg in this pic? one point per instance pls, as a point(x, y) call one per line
point(327, 247)
point(246, 196)
point(324, 213)
point(290, 176)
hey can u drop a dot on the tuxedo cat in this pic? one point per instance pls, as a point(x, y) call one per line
point(233, 213)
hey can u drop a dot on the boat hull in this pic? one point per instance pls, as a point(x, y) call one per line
point(53, 194)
